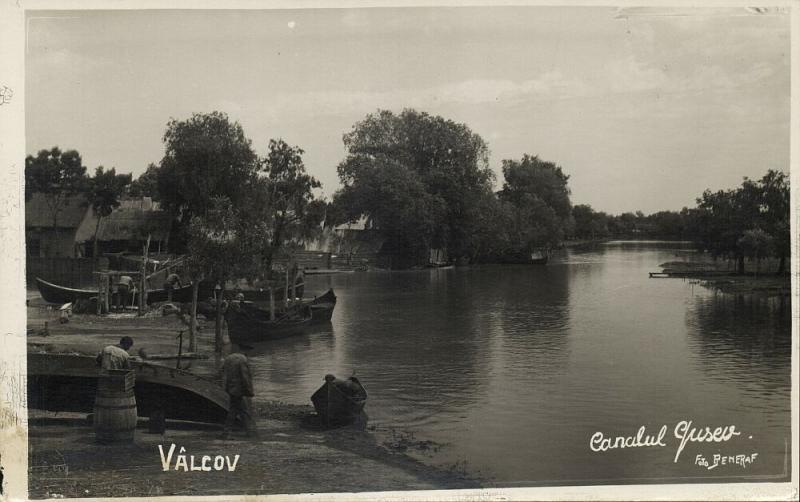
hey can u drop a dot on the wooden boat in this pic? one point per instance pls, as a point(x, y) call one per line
point(68, 382)
point(339, 402)
point(53, 293)
point(249, 323)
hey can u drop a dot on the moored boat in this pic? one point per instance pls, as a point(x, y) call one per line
point(249, 323)
point(339, 402)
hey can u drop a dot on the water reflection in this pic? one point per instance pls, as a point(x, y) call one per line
point(516, 367)
point(736, 336)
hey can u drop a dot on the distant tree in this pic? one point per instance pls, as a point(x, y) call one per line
point(146, 185)
point(589, 224)
point(206, 157)
point(419, 178)
point(755, 244)
point(538, 192)
point(103, 194)
point(774, 213)
point(57, 176)
point(287, 199)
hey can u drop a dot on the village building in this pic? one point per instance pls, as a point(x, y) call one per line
point(70, 232)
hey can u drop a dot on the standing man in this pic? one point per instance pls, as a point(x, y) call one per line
point(124, 286)
point(238, 383)
point(116, 357)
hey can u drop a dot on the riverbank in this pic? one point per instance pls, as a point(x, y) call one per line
point(291, 455)
point(753, 281)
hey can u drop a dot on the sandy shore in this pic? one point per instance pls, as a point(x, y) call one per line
point(290, 456)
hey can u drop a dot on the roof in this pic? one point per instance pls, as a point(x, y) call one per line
point(38, 213)
point(134, 219)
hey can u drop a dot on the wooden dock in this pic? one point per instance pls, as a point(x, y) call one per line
point(688, 274)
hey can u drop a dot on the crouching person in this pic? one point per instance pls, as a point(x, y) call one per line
point(238, 383)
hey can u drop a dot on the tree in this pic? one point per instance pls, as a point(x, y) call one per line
point(206, 157)
point(774, 213)
point(104, 191)
point(218, 252)
point(538, 194)
point(55, 174)
point(755, 244)
point(419, 178)
point(146, 185)
point(287, 197)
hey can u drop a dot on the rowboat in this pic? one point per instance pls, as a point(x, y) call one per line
point(339, 402)
point(53, 293)
point(249, 323)
point(68, 382)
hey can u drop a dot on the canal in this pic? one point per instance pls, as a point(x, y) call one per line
point(513, 369)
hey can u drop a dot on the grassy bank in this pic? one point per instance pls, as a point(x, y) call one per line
point(759, 278)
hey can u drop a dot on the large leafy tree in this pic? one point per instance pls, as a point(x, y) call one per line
point(57, 176)
point(760, 207)
point(283, 198)
point(537, 195)
point(104, 191)
point(418, 177)
point(206, 157)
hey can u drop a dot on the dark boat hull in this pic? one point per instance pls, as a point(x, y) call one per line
point(339, 402)
point(67, 382)
point(53, 293)
point(248, 323)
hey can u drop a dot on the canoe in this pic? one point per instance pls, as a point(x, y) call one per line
point(339, 402)
point(249, 323)
point(68, 382)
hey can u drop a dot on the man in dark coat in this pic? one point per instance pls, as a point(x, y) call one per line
point(238, 383)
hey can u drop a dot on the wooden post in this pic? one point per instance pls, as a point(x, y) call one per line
point(271, 303)
point(286, 288)
point(193, 317)
point(143, 279)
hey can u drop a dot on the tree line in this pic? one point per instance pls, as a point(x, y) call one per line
point(750, 221)
point(423, 182)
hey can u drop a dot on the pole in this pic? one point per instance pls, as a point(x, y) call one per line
point(271, 303)
point(143, 279)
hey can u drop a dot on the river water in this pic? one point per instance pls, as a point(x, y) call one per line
point(513, 369)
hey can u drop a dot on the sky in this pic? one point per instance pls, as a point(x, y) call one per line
point(643, 108)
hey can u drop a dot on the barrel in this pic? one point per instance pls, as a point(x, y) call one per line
point(115, 407)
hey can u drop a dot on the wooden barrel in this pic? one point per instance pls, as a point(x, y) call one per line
point(115, 408)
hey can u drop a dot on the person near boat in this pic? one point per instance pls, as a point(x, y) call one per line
point(124, 287)
point(116, 357)
point(237, 381)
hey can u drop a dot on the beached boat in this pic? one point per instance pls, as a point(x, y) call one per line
point(339, 402)
point(250, 323)
point(68, 382)
point(53, 293)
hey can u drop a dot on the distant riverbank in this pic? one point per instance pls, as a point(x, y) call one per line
point(756, 280)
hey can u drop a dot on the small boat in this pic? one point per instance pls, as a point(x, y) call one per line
point(339, 402)
point(68, 382)
point(249, 323)
point(53, 293)
point(539, 258)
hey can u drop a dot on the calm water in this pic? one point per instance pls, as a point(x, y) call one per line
point(514, 368)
